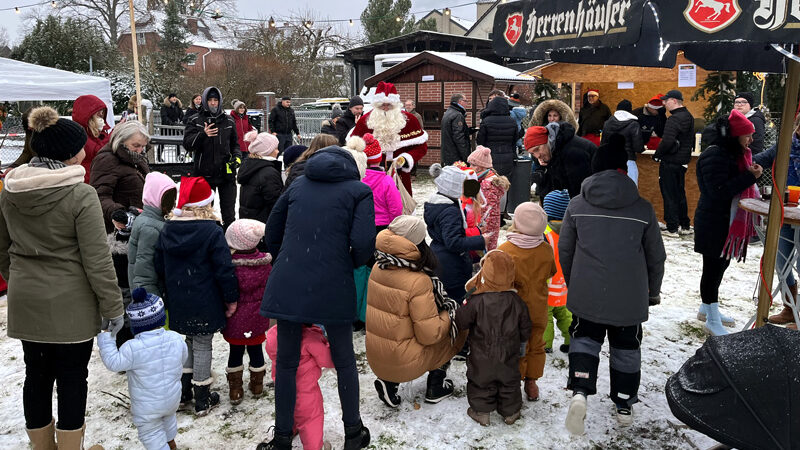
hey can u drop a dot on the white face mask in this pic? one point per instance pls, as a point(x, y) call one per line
point(100, 122)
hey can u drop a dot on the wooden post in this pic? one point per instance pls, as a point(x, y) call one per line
point(779, 174)
point(135, 49)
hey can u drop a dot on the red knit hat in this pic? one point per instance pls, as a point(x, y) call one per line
point(373, 150)
point(535, 136)
point(195, 191)
point(740, 125)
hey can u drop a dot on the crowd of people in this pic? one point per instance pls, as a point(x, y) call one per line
point(326, 243)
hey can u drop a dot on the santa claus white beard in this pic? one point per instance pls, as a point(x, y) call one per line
point(386, 126)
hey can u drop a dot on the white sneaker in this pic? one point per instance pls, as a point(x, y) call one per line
point(685, 231)
point(625, 416)
point(672, 234)
point(576, 415)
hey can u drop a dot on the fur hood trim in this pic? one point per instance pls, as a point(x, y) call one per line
point(540, 113)
point(168, 104)
point(26, 178)
point(117, 247)
point(253, 262)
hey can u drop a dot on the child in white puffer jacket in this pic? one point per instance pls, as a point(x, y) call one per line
point(153, 361)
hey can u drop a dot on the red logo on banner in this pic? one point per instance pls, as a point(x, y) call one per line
point(513, 28)
point(712, 15)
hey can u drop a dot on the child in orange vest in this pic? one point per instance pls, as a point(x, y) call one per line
point(555, 204)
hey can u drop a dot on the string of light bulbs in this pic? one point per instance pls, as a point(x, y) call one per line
point(18, 9)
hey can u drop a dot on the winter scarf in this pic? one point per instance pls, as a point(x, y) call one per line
point(523, 240)
point(443, 302)
point(46, 163)
point(741, 228)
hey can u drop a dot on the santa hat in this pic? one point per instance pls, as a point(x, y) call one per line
point(593, 90)
point(740, 125)
point(194, 192)
point(373, 150)
point(385, 93)
point(655, 102)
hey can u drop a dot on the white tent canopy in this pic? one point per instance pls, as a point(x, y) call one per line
point(21, 81)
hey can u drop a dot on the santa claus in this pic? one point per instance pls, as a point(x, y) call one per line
point(400, 134)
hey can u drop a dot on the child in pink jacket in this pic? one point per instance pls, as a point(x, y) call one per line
point(315, 354)
point(493, 187)
point(388, 203)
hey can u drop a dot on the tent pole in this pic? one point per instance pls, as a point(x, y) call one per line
point(779, 174)
point(135, 48)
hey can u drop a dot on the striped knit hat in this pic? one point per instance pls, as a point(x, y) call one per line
point(555, 204)
point(146, 311)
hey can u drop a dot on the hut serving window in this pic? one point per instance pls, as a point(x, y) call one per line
point(431, 114)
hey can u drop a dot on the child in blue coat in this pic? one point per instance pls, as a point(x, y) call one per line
point(153, 361)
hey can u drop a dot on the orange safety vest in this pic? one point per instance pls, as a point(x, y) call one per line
point(556, 286)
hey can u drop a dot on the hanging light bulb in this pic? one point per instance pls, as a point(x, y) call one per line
point(447, 11)
point(398, 18)
point(351, 22)
point(54, 4)
point(16, 9)
point(271, 22)
point(309, 23)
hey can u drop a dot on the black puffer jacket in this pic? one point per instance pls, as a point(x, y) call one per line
point(328, 127)
point(678, 141)
point(212, 154)
point(455, 135)
point(345, 123)
point(626, 125)
point(282, 120)
point(570, 163)
point(261, 186)
point(500, 133)
point(171, 114)
point(760, 123)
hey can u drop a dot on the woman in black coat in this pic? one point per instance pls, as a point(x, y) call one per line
point(500, 133)
point(321, 228)
point(260, 177)
point(721, 178)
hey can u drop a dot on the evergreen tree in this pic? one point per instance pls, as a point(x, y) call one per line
point(385, 19)
point(719, 90)
point(168, 62)
point(544, 89)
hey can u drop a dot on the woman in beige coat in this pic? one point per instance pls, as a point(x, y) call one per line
point(410, 329)
point(60, 276)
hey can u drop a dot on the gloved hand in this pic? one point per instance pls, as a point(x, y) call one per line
point(522, 348)
point(234, 163)
point(653, 301)
point(400, 161)
point(114, 325)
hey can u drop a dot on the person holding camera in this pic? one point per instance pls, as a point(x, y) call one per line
point(211, 136)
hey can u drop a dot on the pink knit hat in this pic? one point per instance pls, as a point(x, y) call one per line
point(155, 185)
point(482, 156)
point(740, 125)
point(261, 144)
point(244, 234)
point(530, 219)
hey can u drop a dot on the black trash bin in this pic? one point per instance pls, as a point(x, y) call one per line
point(520, 191)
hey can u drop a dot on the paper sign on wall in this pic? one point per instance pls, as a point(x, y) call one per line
point(625, 85)
point(427, 78)
point(687, 75)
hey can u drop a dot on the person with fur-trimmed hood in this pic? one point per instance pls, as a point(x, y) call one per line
point(329, 125)
point(172, 110)
point(400, 134)
point(553, 111)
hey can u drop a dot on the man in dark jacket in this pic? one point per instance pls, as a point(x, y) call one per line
point(172, 111)
point(745, 103)
point(500, 133)
point(455, 132)
point(612, 256)
point(565, 159)
point(624, 123)
point(282, 123)
point(592, 117)
point(211, 136)
point(355, 109)
point(674, 153)
point(652, 117)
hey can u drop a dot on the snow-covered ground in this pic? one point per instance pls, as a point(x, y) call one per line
point(670, 337)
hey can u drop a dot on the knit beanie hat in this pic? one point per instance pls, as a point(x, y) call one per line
point(236, 103)
point(336, 111)
point(410, 227)
point(291, 153)
point(530, 219)
point(194, 192)
point(482, 156)
point(449, 180)
point(625, 105)
point(535, 136)
point(373, 150)
point(740, 125)
point(146, 311)
point(53, 137)
point(751, 99)
point(244, 234)
point(155, 185)
point(355, 101)
point(611, 155)
point(213, 93)
point(555, 204)
point(261, 144)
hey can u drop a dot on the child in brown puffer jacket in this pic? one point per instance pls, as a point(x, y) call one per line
point(499, 327)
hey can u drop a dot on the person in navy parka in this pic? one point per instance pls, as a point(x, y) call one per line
point(321, 228)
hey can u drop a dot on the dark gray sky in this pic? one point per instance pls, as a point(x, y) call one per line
point(332, 9)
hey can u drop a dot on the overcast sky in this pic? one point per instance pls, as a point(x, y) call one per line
point(332, 9)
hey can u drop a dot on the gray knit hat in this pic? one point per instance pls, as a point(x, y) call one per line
point(336, 111)
point(449, 180)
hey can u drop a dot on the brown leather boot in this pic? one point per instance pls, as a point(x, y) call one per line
point(785, 316)
point(172, 445)
point(43, 438)
point(531, 390)
point(791, 326)
point(256, 384)
point(235, 389)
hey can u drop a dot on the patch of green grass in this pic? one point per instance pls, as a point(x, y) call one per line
point(693, 329)
point(386, 441)
point(559, 363)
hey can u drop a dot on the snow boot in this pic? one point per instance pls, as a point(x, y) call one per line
point(186, 390)
point(727, 321)
point(785, 316)
point(463, 353)
point(791, 326)
point(576, 414)
point(73, 439)
point(531, 390)
point(481, 418)
point(235, 389)
point(512, 418)
point(564, 348)
point(387, 392)
point(204, 399)
point(713, 321)
point(278, 442)
point(256, 384)
point(43, 438)
point(172, 445)
point(624, 415)
point(439, 387)
point(356, 437)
